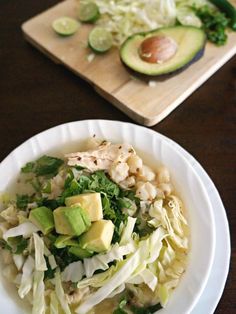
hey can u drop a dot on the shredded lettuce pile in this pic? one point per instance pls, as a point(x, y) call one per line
point(123, 18)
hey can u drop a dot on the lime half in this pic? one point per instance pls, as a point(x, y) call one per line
point(100, 40)
point(65, 26)
point(88, 12)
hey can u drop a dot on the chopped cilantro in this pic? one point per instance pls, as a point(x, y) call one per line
point(52, 204)
point(120, 308)
point(23, 200)
point(101, 183)
point(15, 244)
point(63, 257)
point(109, 213)
point(5, 245)
point(47, 165)
point(124, 203)
point(44, 166)
point(49, 273)
point(36, 184)
point(214, 24)
point(146, 310)
point(29, 167)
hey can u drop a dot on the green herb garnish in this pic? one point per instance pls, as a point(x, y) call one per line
point(49, 273)
point(44, 166)
point(15, 245)
point(214, 24)
point(146, 310)
point(120, 308)
point(23, 200)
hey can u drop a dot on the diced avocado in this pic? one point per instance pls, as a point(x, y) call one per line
point(79, 252)
point(98, 237)
point(42, 217)
point(190, 43)
point(61, 241)
point(65, 240)
point(91, 202)
point(71, 220)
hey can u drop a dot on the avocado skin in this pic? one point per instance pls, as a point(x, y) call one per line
point(142, 73)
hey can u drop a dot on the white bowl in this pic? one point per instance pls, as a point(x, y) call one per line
point(155, 149)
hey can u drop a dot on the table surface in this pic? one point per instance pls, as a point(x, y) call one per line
point(36, 94)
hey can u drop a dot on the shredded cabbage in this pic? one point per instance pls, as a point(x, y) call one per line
point(126, 235)
point(100, 261)
point(172, 219)
point(147, 277)
point(147, 252)
point(115, 281)
point(39, 306)
point(73, 272)
point(27, 277)
point(97, 280)
point(18, 260)
point(26, 230)
point(54, 305)
point(61, 294)
point(118, 290)
point(40, 263)
point(52, 262)
point(51, 258)
point(123, 18)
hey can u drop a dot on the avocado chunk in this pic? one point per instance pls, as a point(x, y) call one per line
point(90, 202)
point(80, 252)
point(65, 240)
point(42, 217)
point(98, 237)
point(190, 43)
point(71, 220)
point(62, 241)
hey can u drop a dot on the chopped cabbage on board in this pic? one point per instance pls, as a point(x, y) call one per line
point(123, 18)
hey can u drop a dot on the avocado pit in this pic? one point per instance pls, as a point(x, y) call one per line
point(157, 49)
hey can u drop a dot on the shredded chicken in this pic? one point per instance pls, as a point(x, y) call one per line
point(102, 157)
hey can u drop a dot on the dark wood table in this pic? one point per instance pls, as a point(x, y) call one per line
point(36, 94)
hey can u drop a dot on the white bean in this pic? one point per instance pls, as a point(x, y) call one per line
point(128, 182)
point(166, 188)
point(146, 191)
point(146, 173)
point(163, 175)
point(135, 163)
point(119, 171)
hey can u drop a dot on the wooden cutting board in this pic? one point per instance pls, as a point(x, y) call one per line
point(145, 104)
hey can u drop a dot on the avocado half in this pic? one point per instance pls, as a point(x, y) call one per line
point(190, 40)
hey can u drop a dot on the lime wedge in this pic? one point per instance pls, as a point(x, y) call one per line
point(100, 40)
point(65, 26)
point(88, 12)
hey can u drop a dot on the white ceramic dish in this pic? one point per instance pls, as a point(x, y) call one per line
point(155, 148)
